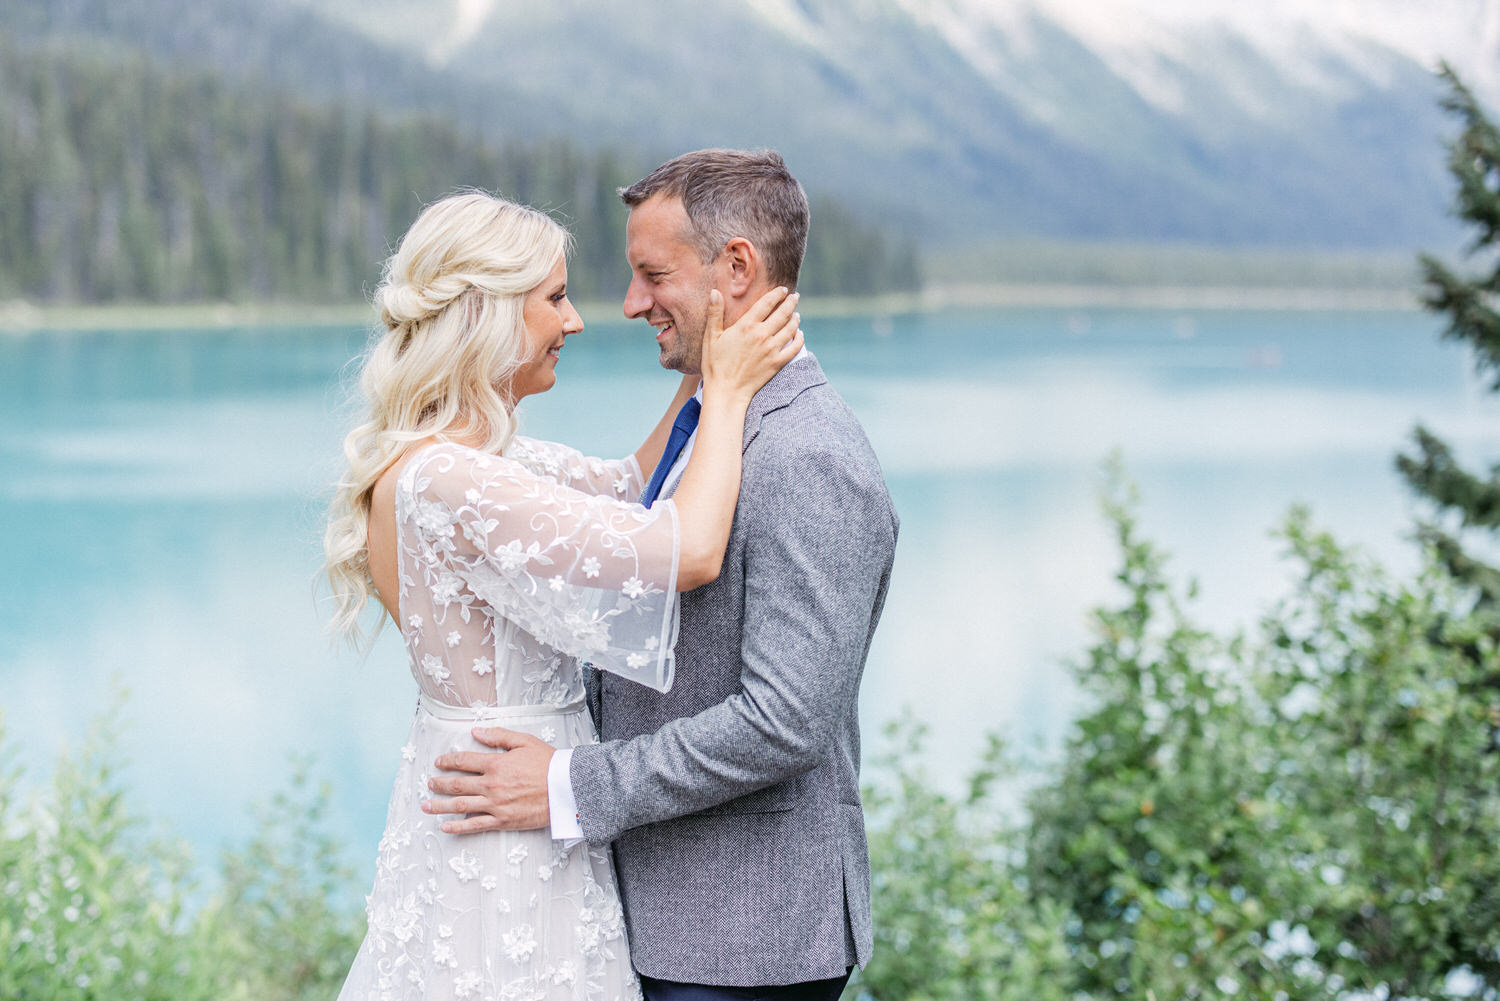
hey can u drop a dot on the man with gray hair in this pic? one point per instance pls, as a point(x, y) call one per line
point(732, 800)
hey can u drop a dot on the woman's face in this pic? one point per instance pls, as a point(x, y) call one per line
point(549, 318)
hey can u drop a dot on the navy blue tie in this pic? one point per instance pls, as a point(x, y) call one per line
point(682, 429)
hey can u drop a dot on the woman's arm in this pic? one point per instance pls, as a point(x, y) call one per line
point(649, 454)
point(736, 363)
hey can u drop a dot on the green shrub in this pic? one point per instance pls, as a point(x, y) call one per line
point(93, 908)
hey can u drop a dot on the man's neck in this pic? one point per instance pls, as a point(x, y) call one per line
point(740, 304)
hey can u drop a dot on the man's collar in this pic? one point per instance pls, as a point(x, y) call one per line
point(796, 377)
point(801, 354)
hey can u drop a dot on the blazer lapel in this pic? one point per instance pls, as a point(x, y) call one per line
point(798, 376)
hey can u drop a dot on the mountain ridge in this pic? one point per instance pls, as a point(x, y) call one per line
point(1013, 123)
point(947, 120)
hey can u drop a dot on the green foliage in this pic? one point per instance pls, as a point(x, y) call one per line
point(1388, 787)
point(1309, 814)
point(94, 909)
point(1468, 303)
point(1154, 833)
point(953, 918)
point(91, 909)
point(286, 919)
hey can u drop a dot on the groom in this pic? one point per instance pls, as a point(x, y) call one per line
point(733, 800)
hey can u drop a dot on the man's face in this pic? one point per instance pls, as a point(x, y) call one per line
point(669, 285)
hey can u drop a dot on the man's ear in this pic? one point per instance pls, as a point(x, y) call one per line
point(744, 265)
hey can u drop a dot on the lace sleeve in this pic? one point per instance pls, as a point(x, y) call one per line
point(618, 478)
point(590, 576)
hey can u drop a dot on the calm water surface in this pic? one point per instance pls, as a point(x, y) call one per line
point(161, 494)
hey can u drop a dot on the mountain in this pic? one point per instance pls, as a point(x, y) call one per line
point(1211, 122)
point(1275, 123)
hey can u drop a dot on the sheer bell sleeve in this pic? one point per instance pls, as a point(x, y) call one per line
point(617, 478)
point(593, 577)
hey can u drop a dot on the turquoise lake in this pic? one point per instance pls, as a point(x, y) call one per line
point(161, 495)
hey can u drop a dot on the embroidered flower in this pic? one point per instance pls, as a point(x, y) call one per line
point(548, 734)
point(517, 855)
point(557, 583)
point(596, 467)
point(519, 944)
point(622, 484)
point(472, 496)
point(467, 985)
point(408, 752)
point(544, 873)
point(443, 955)
point(652, 643)
point(453, 638)
point(591, 568)
point(415, 621)
point(466, 865)
point(489, 882)
point(591, 634)
point(483, 666)
point(512, 558)
point(633, 588)
point(636, 660)
point(434, 669)
point(445, 590)
point(433, 519)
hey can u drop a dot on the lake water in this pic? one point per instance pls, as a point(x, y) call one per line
point(161, 495)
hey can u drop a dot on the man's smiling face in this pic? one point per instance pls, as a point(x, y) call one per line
point(669, 284)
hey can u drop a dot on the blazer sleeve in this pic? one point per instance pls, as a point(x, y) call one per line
point(820, 544)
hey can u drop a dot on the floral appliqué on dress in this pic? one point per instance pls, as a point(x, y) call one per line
point(512, 568)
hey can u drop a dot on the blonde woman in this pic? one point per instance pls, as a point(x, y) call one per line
point(505, 562)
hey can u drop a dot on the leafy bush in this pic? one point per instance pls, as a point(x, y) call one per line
point(92, 908)
point(1314, 813)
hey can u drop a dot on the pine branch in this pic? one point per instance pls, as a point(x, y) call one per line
point(1436, 474)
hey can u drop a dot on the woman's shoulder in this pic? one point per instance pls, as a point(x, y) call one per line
point(441, 465)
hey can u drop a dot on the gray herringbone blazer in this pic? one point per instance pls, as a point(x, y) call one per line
point(733, 799)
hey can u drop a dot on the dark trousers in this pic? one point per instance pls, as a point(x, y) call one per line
point(812, 990)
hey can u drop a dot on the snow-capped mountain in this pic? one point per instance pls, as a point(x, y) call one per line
point(1292, 122)
point(1308, 122)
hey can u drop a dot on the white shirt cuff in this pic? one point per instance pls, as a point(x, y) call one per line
point(561, 803)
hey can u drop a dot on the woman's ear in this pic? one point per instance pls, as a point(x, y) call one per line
point(744, 265)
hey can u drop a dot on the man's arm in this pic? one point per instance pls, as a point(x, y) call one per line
point(821, 541)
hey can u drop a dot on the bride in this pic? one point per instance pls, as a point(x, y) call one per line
point(505, 562)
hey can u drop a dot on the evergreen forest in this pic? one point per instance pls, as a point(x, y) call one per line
point(123, 179)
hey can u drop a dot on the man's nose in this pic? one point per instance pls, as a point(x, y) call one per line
point(637, 299)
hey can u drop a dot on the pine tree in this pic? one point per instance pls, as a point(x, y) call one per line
point(1468, 503)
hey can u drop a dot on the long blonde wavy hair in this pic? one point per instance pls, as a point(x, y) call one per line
point(451, 336)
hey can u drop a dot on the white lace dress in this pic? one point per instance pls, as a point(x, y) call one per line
point(511, 569)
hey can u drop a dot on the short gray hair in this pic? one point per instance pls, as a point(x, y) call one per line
point(733, 193)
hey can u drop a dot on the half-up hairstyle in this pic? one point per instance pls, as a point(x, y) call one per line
point(451, 336)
